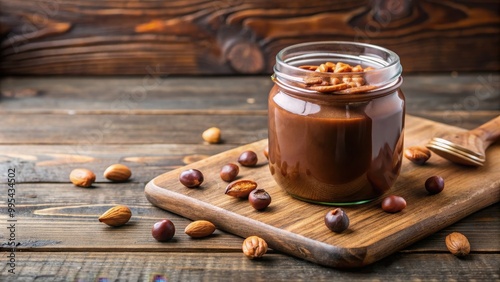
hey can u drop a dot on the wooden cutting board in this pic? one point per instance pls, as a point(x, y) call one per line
point(297, 228)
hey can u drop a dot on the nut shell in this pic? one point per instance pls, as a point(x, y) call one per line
point(82, 177)
point(254, 247)
point(116, 216)
point(259, 199)
point(118, 173)
point(240, 188)
point(199, 229)
point(457, 244)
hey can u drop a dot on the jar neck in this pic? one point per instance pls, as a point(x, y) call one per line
point(386, 73)
point(332, 98)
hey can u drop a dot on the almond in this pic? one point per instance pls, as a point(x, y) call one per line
point(117, 173)
point(358, 89)
point(199, 229)
point(417, 154)
point(82, 177)
point(328, 88)
point(116, 216)
point(240, 188)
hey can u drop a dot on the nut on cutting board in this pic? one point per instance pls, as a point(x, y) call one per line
point(297, 228)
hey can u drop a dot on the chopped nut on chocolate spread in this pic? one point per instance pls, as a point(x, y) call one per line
point(348, 83)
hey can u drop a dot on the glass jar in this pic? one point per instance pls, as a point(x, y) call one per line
point(330, 148)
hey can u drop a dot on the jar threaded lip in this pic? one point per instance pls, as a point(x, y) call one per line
point(386, 63)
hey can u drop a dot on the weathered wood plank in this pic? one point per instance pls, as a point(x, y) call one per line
point(85, 131)
point(89, 130)
point(221, 37)
point(170, 95)
point(134, 95)
point(52, 217)
point(90, 266)
point(53, 163)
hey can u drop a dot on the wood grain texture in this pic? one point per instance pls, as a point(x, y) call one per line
point(228, 37)
point(50, 253)
point(372, 234)
point(83, 130)
point(53, 163)
point(53, 215)
point(454, 94)
point(90, 266)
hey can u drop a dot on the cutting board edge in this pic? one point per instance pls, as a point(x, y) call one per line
point(377, 251)
point(315, 251)
point(300, 246)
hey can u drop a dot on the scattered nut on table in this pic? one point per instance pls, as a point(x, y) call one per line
point(393, 204)
point(199, 229)
point(337, 220)
point(248, 158)
point(266, 152)
point(82, 177)
point(191, 178)
point(254, 247)
point(229, 172)
point(434, 184)
point(116, 216)
point(163, 230)
point(417, 154)
point(212, 135)
point(240, 188)
point(259, 199)
point(117, 173)
point(457, 244)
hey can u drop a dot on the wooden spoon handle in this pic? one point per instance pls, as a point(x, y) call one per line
point(488, 132)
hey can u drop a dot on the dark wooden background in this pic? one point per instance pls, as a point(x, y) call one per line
point(123, 37)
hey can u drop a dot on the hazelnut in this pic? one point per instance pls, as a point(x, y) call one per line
point(240, 188)
point(117, 173)
point(417, 154)
point(393, 204)
point(229, 172)
point(254, 247)
point(259, 199)
point(212, 135)
point(434, 184)
point(457, 244)
point(116, 216)
point(336, 220)
point(248, 158)
point(191, 178)
point(163, 230)
point(82, 177)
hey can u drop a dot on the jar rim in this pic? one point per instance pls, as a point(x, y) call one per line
point(386, 63)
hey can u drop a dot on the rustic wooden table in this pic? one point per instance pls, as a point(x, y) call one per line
point(50, 125)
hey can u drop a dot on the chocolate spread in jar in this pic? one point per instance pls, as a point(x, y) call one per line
point(335, 152)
